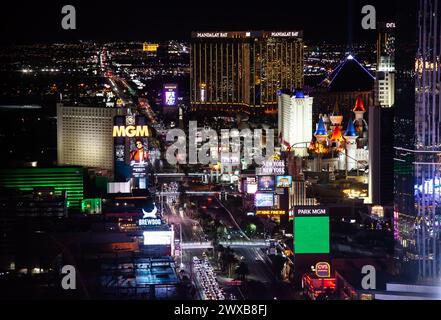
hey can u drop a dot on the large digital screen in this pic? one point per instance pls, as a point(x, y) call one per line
point(139, 158)
point(131, 147)
point(158, 238)
point(170, 98)
point(170, 95)
point(264, 200)
point(283, 181)
point(249, 185)
point(311, 230)
point(266, 183)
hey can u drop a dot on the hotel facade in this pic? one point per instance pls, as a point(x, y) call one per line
point(243, 71)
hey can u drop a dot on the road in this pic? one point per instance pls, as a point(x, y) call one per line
point(263, 282)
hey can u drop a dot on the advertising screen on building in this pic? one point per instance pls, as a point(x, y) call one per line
point(131, 147)
point(150, 47)
point(270, 212)
point(250, 185)
point(264, 200)
point(311, 230)
point(170, 95)
point(283, 181)
point(266, 183)
point(158, 238)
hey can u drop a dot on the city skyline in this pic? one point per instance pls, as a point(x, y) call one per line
point(221, 151)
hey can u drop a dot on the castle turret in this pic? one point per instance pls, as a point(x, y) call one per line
point(336, 142)
point(359, 110)
point(336, 116)
point(351, 146)
point(321, 134)
point(337, 136)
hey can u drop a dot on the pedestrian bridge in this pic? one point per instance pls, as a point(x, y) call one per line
point(179, 174)
point(232, 244)
point(196, 193)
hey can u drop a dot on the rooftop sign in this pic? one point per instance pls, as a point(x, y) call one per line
point(247, 34)
point(311, 212)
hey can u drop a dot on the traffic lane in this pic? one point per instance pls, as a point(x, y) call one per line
point(187, 260)
point(262, 275)
point(221, 215)
point(191, 230)
point(258, 267)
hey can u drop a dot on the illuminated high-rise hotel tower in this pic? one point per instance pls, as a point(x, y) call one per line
point(385, 75)
point(428, 140)
point(243, 71)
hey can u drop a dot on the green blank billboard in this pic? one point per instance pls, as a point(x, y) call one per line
point(311, 235)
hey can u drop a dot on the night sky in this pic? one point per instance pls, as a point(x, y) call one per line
point(40, 21)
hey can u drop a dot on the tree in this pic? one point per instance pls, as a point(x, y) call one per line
point(252, 228)
point(219, 249)
point(279, 263)
point(242, 270)
point(227, 260)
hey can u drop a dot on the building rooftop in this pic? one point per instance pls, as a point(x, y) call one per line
point(246, 34)
point(349, 76)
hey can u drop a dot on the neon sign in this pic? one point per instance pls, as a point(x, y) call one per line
point(323, 270)
point(149, 222)
point(270, 212)
point(131, 131)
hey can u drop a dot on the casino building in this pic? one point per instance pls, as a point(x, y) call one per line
point(84, 136)
point(243, 71)
point(348, 81)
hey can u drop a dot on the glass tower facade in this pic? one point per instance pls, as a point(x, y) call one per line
point(234, 71)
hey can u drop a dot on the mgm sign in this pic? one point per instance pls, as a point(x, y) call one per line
point(131, 131)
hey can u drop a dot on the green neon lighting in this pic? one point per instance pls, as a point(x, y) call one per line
point(61, 179)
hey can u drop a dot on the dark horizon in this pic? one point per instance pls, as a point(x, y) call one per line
point(139, 21)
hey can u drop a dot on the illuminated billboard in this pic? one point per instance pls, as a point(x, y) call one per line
point(152, 238)
point(266, 183)
point(283, 181)
point(131, 149)
point(150, 47)
point(170, 96)
point(264, 200)
point(249, 185)
point(270, 212)
point(311, 230)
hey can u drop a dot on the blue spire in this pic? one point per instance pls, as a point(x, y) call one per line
point(321, 131)
point(300, 94)
point(350, 131)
